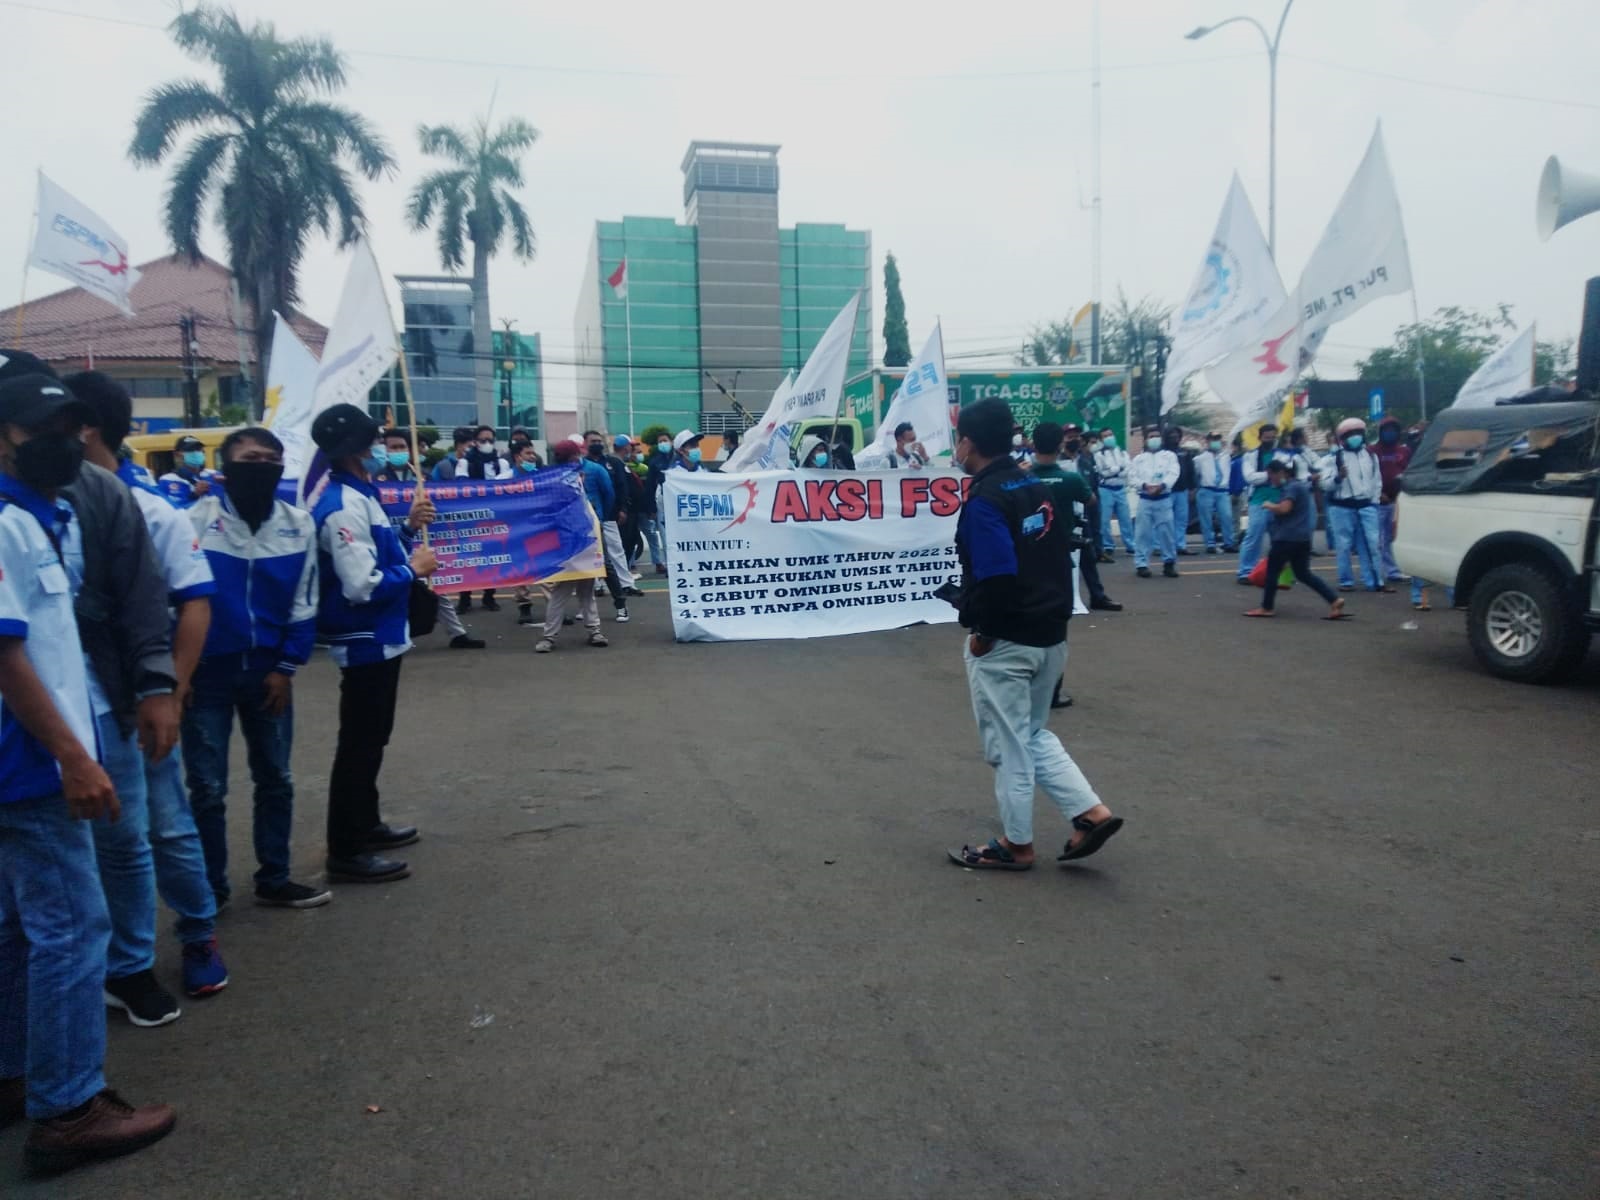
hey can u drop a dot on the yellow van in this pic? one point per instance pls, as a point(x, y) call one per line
point(154, 451)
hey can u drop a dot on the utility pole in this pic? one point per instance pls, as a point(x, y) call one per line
point(508, 365)
point(191, 381)
point(1094, 199)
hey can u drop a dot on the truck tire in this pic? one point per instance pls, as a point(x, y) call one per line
point(1522, 625)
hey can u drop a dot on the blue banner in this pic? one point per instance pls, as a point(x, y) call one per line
point(495, 535)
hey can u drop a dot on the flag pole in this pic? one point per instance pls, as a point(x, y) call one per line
point(27, 261)
point(627, 311)
point(1422, 378)
point(411, 399)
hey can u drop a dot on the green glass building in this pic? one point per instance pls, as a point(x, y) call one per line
point(725, 296)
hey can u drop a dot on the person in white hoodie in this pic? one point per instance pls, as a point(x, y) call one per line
point(1212, 467)
point(1353, 481)
point(1155, 474)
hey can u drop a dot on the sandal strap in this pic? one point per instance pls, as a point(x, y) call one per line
point(1083, 823)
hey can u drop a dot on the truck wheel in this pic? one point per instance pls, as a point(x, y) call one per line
point(1522, 626)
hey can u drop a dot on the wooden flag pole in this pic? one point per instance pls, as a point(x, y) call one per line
point(411, 413)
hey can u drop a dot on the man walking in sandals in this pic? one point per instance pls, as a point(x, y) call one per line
point(1294, 516)
point(1015, 601)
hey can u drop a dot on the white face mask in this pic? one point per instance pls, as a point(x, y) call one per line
point(1016, 439)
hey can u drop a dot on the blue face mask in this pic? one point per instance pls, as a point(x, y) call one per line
point(194, 458)
point(529, 466)
point(820, 458)
point(1110, 443)
point(398, 458)
point(694, 455)
point(377, 458)
point(664, 447)
point(1355, 441)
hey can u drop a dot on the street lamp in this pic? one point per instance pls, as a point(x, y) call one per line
point(1272, 43)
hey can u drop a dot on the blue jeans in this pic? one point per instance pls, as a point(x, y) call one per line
point(180, 861)
point(220, 690)
point(1180, 517)
point(1114, 503)
point(1419, 592)
point(1154, 528)
point(127, 868)
point(1391, 569)
point(1255, 532)
point(650, 530)
point(1356, 529)
point(53, 935)
point(1216, 512)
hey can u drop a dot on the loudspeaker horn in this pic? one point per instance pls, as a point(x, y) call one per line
point(1564, 196)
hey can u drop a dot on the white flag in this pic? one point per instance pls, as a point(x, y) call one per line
point(1504, 373)
point(291, 389)
point(1235, 291)
point(1361, 257)
point(923, 399)
point(814, 393)
point(361, 344)
point(77, 245)
point(1082, 333)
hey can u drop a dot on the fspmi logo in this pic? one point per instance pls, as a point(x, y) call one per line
point(700, 506)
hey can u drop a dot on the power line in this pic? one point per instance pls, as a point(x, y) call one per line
point(1462, 88)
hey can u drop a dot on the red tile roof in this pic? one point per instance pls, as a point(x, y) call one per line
point(69, 326)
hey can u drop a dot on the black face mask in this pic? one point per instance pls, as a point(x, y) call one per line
point(596, 451)
point(251, 488)
point(1073, 447)
point(50, 460)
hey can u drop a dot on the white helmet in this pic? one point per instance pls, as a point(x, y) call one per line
point(1351, 425)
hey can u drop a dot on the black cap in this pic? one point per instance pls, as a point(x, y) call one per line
point(20, 362)
point(189, 442)
point(344, 430)
point(1278, 464)
point(31, 400)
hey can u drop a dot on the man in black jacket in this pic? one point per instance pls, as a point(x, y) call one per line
point(1016, 599)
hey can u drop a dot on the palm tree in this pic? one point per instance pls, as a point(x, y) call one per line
point(472, 200)
point(269, 147)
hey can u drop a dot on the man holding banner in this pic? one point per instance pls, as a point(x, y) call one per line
point(1015, 600)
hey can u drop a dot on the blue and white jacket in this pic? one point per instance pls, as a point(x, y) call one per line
point(264, 613)
point(365, 568)
point(177, 487)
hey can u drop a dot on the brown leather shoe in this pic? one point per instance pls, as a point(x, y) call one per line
point(108, 1127)
point(13, 1100)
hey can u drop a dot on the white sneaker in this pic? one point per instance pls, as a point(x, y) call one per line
point(622, 616)
point(543, 646)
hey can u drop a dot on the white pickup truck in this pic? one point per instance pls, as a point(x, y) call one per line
point(1503, 504)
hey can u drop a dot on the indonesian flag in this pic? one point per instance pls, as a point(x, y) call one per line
point(618, 280)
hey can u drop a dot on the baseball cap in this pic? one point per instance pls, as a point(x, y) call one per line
point(189, 442)
point(31, 400)
point(621, 442)
point(19, 362)
point(1279, 464)
point(686, 437)
point(343, 430)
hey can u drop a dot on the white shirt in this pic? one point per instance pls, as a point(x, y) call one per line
point(1211, 468)
point(1112, 466)
point(1363, 477)
point(1158, 467)
point(183, 563)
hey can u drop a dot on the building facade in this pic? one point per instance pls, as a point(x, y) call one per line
point(726, 297)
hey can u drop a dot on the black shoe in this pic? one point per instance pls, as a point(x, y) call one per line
point(568, 620)
point(1105, 604)
point(462, 642)
point(389, 837)
point(367, 868)
point(1144, 572)
point(632, 591)
point(1170, 570)
point(1317, 554)
point(525, 615)
point(1105, 558)
point(1211, 549)
point(291, 895)
point(464, 602)
point(1185, 551)
point(490, 604)
point(1061, 702)
point(146, 1002)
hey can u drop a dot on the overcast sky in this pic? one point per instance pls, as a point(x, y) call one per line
point(958, 134)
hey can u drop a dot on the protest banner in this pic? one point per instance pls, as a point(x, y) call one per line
point(785, 554)
point(494, 535)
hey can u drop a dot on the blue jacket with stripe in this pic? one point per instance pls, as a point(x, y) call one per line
point(264, 613)
point(364, 563)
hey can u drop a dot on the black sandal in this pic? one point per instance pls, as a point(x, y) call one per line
point(1096, 834)
point(993, 857)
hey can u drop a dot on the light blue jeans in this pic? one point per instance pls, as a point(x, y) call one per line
point(127, 868)
point(1154, 529)
point(1180, 517)
point(1011, 687)
point(1252, 550)
point(650, 530)
point(1391, 569)
point(1356, 529)
point(1114, 503)
point(1216, 514)
point(53, 934)
point(179, 856)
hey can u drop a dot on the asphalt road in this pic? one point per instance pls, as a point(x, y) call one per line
point(681, 925)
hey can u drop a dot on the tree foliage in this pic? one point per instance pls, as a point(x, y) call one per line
point(1132, 333)
point(653, 434)
point(270, 153)
point(1453, 343)
point(896, 337)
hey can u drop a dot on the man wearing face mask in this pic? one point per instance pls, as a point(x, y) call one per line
point(1257, 517)
point(611, 522)
point(1015, 601)
point(190, 478)
point(649, 508)
point(1353, 482)
point(398, 468)
point(813, 454)
point(1393, 456)
point(686, 449)
point(263, 552)
point(1111, 465)
point(366, 567)
point(1021, 450)
point(52, 910)
point(1213, 469)
point(483, 464)
point(1154, 474)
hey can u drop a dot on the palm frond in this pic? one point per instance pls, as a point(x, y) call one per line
point(524, 243)
point(453, 230)
point(513, 136)
point(433, 192)
point(309, 64)
point(170, 109)
point(337, 130)
point(445, 141)
point(190, 188)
